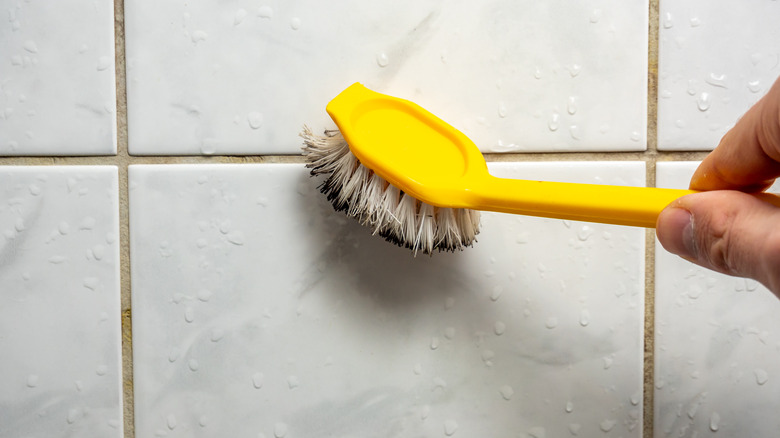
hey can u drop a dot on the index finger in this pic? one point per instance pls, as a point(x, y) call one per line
point(748, 156)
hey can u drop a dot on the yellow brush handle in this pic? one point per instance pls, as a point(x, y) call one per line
point(618, 205)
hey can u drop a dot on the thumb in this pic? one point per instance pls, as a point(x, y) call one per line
point(726, 231)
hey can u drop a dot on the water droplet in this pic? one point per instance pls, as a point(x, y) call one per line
point(173, 354)
point(595, 16)
point(496, 294)
point(293, 382)
point(537, 432)
point(574, 70)
point(30, 46)
point(680, 123)
point(255, 119)
point(636, 398)
point(584, 233)
point(91, 283)
point(754, 86)
point(499, 328)
point(280, 430)
point(98, 252)
point(101, 370)
point(236, 238)
point(584, 318)
point(607, 425)
point(691, 90)
point(569, 407)
point(239, 17)
point(450, 427)
point(198, 36)
point(189, 314)
point(574, 132)
point(63, 228)
point(88, 223)
point(193, 365)
point(265, 12)
point(666, 94)
point(761, 376)
point(502, 111)
point(668, 21)
point(717, 80)
point(32, 380)
point(522, 237)
point(487, 357)
point(714, 421)
point(537, 73)
point(295, 23)
point(449, 333)
point(104, 62)
point(203, 421)
point(417, 369)
point(703, 101)
point(635, 136)
point(34, 190)
point(439, 383)
point(507, 392)
point(73, 415)
point(574, 428)
point(382, 60)
point(257, 380)
point(434, 343)
point(571, 107)
point(551, 322)
point(209, 146)
point(171, 421)
point(608, 362)
point(554, 122)
point(695, 22)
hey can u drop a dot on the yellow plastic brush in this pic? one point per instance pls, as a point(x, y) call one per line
point(391, 140)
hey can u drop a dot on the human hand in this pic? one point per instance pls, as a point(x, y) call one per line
point(727, 230)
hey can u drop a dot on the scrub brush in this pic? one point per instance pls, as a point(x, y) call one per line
point(418, 182)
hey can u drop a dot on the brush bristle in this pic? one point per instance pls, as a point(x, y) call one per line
point(388, 211)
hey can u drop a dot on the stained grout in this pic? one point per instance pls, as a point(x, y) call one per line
point(123, 159)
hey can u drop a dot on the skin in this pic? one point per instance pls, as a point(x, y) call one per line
point(726, 229)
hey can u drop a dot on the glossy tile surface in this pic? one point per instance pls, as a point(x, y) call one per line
point(60, 371)
point(57, 84)
point(243, 77)
point(717, 345)
point(715, 60)
point(259, 311)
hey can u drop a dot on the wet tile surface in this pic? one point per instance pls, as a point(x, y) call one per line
point(243, 77)
point(57, 84)
point(715, 60)
point(60, 372)
point(717, 345)
point(259, 311)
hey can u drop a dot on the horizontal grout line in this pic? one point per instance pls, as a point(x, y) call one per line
point(120, 160)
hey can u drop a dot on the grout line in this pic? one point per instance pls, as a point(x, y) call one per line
point(121, 160)
point(648, 375)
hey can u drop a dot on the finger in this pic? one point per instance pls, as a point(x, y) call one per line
point(726, 231)
point(748, 156)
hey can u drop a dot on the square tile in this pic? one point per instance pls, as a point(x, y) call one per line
point(259, 311)
point(60, 372)
point(57, 82)
point(717, 345)
point(243, 77)
point(715, 60)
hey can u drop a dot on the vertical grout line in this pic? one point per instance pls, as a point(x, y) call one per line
point(648, 401)
point(122, 159)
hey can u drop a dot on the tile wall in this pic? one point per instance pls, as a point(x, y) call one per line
point(168, 268)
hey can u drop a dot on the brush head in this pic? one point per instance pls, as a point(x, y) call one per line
point(397, 216)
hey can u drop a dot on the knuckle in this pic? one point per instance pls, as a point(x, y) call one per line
point(715, 245)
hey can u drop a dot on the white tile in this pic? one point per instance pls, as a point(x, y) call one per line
point(57, 83)
point(259, 311)
point(717, 345)
point(715, 60)
point(60, 372)
point(243, 77)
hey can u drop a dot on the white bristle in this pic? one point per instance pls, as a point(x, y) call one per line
point(389, 212)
